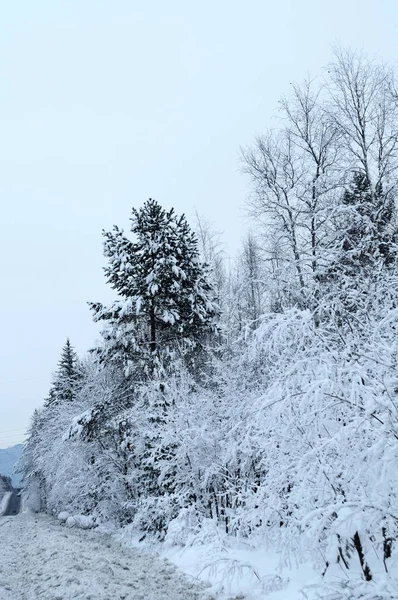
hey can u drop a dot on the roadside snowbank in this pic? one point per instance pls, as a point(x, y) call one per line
point(231, 568)
point(240, 571)
point(246, 569)
point(47, 561)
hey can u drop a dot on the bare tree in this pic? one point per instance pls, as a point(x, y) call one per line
point(212, 252)
point(316, 137)
point(252, 281)
point(276, 173)
point(328, 133)
point(364, 106)
point(294, 172)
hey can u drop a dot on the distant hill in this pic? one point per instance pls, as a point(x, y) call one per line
point(8, 458)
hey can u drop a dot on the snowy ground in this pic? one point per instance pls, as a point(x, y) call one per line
point(243, 572)
point(233, 569)
point(43, 560)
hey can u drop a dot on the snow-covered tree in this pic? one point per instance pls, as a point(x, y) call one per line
point(294, 173)
point(212, 254)
point(38, 464)
point(165, 300)
point(362, 102)
point(367, 233)
point(67, 378)
point(5, 484)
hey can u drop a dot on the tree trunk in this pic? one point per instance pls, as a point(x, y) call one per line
point(153, 327)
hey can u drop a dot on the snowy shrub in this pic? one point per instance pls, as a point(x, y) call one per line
point(185, 526)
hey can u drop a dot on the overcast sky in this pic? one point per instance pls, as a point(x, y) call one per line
point(106, 103)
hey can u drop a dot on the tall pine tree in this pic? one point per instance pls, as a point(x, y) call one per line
point(67, 377)
point(165, 301)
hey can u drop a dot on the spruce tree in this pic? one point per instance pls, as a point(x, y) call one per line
point(67, 377)
point(364, 244)
point(165, 301)
point(368, 232)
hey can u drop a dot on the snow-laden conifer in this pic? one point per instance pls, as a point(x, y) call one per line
point(165, 302)
point(67, 377)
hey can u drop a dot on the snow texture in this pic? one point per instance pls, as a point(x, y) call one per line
point(46, 561)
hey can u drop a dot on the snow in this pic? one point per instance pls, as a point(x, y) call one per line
point(231, 568)
point(81, 521)
point(239, 571)
point(47, 561)
point(63, 516)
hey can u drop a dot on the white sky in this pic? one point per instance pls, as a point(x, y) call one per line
point(106, 103)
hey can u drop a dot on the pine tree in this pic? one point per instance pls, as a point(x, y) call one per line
point(363, 246)
point(29, 465)
point(165, 301)
point(67, 377)
point(47, 427)
point(368, 232)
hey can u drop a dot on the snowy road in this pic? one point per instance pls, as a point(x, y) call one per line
point(42, 560)
point(14, 505)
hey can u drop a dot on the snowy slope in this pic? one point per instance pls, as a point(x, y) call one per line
point(47, 561)
point(8, 458)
